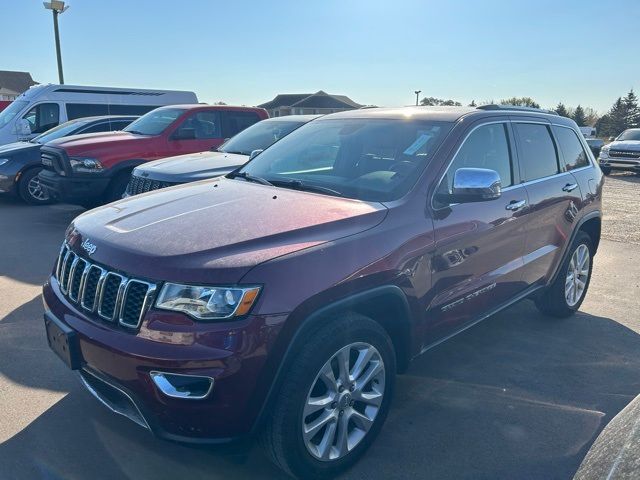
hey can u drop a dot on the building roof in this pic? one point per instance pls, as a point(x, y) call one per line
point(319, 99)
point(16, 82)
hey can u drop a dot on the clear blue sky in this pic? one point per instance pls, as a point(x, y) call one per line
point(376, 52)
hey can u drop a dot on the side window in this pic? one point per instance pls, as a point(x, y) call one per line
point(571, 147)
point(204, 124)
point(235, 122)
point(536, 151)
point(98, 127)
point(42, 117)
point(119, 124)
point(486, 147)
point(82, 110)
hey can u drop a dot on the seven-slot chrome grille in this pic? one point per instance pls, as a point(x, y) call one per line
point(625, 154)
point(112, 296)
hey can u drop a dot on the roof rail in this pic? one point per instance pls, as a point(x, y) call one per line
point(516, 108)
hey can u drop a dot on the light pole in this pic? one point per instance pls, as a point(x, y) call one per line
point(57, 7)
point(417, 92)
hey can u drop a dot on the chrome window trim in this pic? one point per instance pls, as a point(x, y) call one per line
point(146, 303)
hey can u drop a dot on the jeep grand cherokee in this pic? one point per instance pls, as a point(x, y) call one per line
point(282, 300)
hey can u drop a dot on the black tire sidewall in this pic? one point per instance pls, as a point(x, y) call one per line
point(23, 188)
point(117, 187)
point(581, 239)
point(299, 460)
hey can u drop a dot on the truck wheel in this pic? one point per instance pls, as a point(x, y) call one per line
point(565, 295)
point(30, 189)
point(333, 400)
point(117, 187)
point(606, 170)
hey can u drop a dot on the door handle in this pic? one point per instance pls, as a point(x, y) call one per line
point(516, 205)
point(570, 187)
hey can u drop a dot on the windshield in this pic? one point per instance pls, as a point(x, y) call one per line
point(155, 122)
point(367, 159)
point(259, 136)
point(67, 128)
point(632, 134)
point(11, 111)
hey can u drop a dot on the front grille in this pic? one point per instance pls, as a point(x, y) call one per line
point(625, 154)
point(51, 160)
point(139, 185)
point(114, 297)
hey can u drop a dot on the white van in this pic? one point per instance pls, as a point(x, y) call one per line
point(44, 106)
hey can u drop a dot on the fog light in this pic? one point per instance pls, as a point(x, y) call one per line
point(176, 385)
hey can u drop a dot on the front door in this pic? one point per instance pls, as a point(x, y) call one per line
point(199, 132)
point(479, 246)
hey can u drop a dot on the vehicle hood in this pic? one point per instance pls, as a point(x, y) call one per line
point(100, 142)
point(214, 232)
point(629, 145)
point(17, 147)
point(190, 167)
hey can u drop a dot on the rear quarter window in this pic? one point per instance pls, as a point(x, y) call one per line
point(574, 155)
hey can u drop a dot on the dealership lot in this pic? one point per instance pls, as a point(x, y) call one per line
point(518, 396)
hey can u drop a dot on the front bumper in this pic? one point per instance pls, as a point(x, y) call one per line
point(8, 173)
point(620, 164)
point(75, 190)
point(115, 367)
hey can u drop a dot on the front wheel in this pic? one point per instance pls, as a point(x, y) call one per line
point(30, 189)
point(565, 295)
point(606, 170)
point(333, 400)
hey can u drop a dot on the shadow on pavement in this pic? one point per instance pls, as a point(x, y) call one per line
point(36, 234)
point(518, 396)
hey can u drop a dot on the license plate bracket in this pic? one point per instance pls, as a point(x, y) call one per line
point(63, 341)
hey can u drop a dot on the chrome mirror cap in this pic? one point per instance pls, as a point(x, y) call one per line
point(476, 185)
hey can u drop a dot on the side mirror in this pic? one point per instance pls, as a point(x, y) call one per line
point(24, 128)
point(185, 134)
point(475, 185)
point(255, 153)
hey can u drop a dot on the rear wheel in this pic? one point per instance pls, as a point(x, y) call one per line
point(565, 295)
point(333, 400)
point(31, 190)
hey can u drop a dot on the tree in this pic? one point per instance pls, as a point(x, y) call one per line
point(579, 116)
point(473, 103)
point(432, 101)
point(591, 116)
point(632, 114)
point(614, 121)
point(562, 110)
point(521, 102)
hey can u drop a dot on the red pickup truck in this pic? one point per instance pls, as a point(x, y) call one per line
point(92, 169)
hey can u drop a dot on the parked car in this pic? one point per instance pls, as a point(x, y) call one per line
point(43, 107)
point(20, 162)
point(623, 153)
point(282, 299)
point(232, 154)
point(4, 104)
point(595, 144)
point(93, 170)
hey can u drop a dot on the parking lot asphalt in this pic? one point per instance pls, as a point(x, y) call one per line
point(519, 396)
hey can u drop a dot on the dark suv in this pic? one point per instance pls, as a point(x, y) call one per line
point(284, 298)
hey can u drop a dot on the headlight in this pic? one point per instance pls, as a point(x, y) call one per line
point(3, 161)
point(604, 152)
point(85, 165)
point(207, 303)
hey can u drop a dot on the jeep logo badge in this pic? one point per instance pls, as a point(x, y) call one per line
point(89, 247)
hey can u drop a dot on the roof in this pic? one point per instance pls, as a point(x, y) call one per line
point(440, 113)
point(204, 106)
point(292, 118)
point(16, 81)
point(319, 99)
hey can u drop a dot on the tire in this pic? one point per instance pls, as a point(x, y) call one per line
point(558, 299)
point(117, 187)
point(606, 170)
point(30, 190)
point(283, 438)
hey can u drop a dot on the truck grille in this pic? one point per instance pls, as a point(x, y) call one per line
point(114, 297)
point(139, 185)
point(52, 161)
point(625, 154)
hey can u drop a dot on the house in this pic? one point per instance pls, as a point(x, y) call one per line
point(308, 104)
point(13, 84)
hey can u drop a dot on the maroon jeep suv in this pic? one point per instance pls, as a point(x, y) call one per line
point(282, 299)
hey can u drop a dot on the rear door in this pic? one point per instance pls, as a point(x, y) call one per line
point(477, 261)
point(233, 122)
point(554, 198)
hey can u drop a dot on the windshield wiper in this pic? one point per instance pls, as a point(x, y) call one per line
point(136, 132)
point(300, 185)
point(250, 178)
point(233, 152)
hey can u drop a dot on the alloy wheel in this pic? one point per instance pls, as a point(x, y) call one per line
point(36, 190)
point(577, 275)
point(343, 402)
